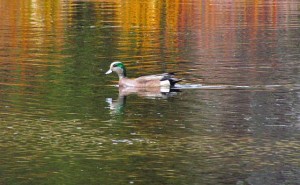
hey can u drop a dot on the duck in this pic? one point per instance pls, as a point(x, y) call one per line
point(166, 80)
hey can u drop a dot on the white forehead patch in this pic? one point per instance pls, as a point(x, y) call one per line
point(112, 64)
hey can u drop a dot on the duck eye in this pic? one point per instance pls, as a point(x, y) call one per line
point(115, 65)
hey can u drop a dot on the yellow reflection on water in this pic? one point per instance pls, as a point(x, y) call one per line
point(29, 24)
point(31, 33)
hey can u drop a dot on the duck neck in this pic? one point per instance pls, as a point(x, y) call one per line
point(121, 76)
point(121, 73)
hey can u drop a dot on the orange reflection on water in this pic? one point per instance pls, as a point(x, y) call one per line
point(31, 32)
point(151, 31)
point(164, 24)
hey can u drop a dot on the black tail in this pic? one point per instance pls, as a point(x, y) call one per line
point(170, 77)
point(173, 81)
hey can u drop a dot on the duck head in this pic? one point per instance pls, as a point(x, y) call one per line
point(117, 67)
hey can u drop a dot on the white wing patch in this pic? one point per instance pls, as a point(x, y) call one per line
point(165, 83)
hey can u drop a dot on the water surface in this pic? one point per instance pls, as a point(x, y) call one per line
point(234, 119)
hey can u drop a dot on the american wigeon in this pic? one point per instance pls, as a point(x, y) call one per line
point(158, 80)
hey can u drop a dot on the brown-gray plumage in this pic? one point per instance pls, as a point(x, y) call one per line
point(158, 80)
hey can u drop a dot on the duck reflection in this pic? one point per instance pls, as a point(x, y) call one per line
point(117, 106)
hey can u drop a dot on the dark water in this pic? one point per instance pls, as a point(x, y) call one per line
point(236, 119)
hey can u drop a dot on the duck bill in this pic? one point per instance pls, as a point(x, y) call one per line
point(108, 72)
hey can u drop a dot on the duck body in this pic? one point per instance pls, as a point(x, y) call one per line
point(158, 80)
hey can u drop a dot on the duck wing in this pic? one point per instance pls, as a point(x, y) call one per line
point(158, 78)
point(148, 78)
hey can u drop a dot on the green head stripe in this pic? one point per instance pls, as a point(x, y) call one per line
point(121, 65)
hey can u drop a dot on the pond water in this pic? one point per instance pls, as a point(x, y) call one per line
point(233, 119)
